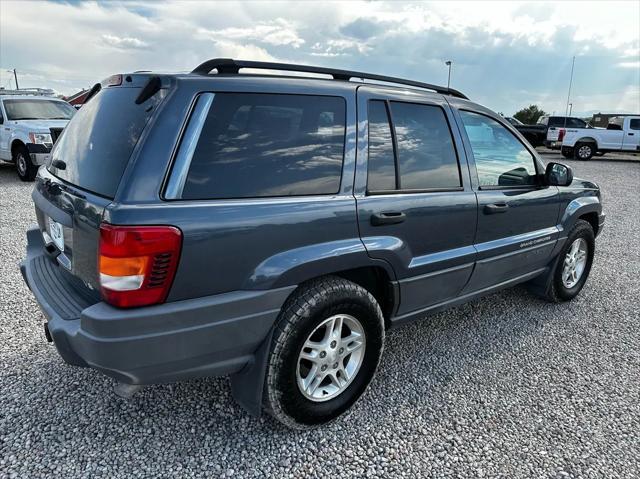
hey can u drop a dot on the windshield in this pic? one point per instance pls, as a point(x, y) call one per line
point(38, 110)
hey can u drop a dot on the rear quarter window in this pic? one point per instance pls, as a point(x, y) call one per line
point(261, 145)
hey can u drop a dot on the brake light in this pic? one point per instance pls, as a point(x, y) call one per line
point(561, 134)
point(137, 263)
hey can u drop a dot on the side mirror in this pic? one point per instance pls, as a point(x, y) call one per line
point(558, 174)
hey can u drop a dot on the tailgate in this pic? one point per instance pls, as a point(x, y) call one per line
point(69, 221)
point(552, 133)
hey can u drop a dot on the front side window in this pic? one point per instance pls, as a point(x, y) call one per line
point(500, 158)
point(38, 110)
point(426, 157)
point(261, 145)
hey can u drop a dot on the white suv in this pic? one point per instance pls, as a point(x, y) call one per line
point(30, 123)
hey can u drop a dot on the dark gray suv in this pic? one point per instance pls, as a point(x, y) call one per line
point(272, 228)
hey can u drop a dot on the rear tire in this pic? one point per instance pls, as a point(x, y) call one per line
point(584, 151)
point(26, 169)
point(567, 152)
point(580, 245)
point(307, 318)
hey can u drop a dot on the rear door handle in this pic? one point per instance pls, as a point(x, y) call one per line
point(630, 134)
point(495, 208)
point(388, 218)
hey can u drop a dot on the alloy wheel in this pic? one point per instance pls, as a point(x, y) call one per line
point(330, 357)
point(575, 262)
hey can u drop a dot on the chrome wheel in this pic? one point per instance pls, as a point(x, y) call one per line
point(21, 164)
point(330, 358)
point(575, 262)
point(584, 152)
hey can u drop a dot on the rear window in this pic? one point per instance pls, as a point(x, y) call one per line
point(261, 145)
point(98, 141)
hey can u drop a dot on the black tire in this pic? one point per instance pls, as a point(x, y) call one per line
point(584, 151)
point(567, 152)
point(308, 307)
point(26, 169)
point(558, 292)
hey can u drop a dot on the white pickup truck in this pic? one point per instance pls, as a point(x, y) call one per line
point(30, 123)
point(622, 134)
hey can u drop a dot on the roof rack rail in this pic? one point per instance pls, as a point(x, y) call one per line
point(228, 65)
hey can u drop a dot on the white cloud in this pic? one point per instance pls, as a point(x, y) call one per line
point(123, 42)
point(278, 32)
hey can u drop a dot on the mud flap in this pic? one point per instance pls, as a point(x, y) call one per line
point(540, 285)
point(247, 385)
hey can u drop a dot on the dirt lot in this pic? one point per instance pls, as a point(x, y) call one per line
point(508, 386)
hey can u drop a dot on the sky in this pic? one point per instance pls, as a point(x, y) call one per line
point(506, 55)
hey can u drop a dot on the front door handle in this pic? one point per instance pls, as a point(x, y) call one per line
point(495, 208)
point(630, 134)
point(388, 218)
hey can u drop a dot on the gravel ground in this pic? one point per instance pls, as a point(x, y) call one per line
point(507, 386)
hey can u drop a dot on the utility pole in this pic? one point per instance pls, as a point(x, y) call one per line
point(570, 108)
point(566, 112)
point(15, 77)
point(448, 63)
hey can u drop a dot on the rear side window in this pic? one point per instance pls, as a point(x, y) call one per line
point(425, 154)
point(501, 160)
point(261, 145)
point(635, 124)
point(381, 170)
point(98, 141)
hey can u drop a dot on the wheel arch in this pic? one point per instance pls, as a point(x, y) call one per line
point(587, 139)
point(587, 208)
point(15, 144)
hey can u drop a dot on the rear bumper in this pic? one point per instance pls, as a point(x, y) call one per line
point(210, 336)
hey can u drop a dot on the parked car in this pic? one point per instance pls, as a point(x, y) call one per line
point(622, 134)
point(30, 124)
point(545, 131)
point(272, 228)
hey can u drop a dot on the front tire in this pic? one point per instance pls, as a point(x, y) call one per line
point(584, 151)
point(325, 350)
point(573, 265)
point(26, 169)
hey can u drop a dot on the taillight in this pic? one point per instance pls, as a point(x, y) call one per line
point(137, 263)
point(561, 134)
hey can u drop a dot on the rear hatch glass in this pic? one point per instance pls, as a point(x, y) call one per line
point(97, 143)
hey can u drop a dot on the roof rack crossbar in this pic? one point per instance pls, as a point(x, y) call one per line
point(230, 66)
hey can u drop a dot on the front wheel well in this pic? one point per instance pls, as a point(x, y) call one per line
point(15, 144)
point(592, 219)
